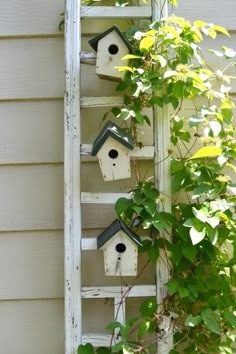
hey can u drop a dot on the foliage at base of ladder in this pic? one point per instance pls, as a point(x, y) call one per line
point(198, 237)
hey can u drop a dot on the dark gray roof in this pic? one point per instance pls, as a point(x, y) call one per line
point(94, 41)
point(111, 129)
point(112, 229)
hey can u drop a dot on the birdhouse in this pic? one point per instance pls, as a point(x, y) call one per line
point(111, 46)
point(120, 248)
point(112, 147)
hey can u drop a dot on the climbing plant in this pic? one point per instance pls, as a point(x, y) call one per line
point(168, 68)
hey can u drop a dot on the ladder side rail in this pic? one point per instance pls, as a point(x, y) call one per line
point(161, 136)
point(72, 208)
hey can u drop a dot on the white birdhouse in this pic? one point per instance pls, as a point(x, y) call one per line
point(120, 248)
point(111, 46)
point(112, 147)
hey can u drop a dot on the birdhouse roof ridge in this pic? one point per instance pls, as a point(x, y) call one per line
point(94, 41)
point(117, 133)
point(112, 229)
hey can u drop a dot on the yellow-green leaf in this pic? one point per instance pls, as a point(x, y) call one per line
point(174, 3)
point(212, 33)
point(131, 56)
point(171, 30)
point(221, 30)
point(207, 151)
point(197, 36)
point(227, 104)
point(151, 32)
point(177, 20)
point(124, 68)
point(146, 43)
point(199, 23)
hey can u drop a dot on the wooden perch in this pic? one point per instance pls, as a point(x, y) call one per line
point(88, 58)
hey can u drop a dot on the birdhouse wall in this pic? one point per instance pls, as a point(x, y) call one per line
point(120, 263)
point(111, 50)
point(114, 160)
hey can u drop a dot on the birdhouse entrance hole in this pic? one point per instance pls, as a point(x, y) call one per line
point(113, 154)
point(120, 248)
point(113, 49)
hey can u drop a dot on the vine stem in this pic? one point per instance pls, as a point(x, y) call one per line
point(125, 294)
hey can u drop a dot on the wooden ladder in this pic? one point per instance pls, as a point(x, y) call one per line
point(74, 150)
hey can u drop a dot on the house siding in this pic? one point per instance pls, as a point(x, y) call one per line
point(31, 174)
point(31, 171)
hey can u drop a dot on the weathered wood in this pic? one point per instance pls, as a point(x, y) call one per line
point(116, 291)
point(88, 58)
point(102, 198)
point(96, 339)
point(31, 265)
point(33, 320)
point(119, 315)
point(163, 183)
point(89, 244)
point(111, 12)
point(72, 208)
point(101, 101)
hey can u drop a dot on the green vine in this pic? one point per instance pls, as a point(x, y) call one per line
point(197, 238)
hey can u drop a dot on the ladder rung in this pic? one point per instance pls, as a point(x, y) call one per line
point(91, 102)
point(147, 152)
point(102, 198)
point(97, 339)
point(116, 12)
point(116, 291)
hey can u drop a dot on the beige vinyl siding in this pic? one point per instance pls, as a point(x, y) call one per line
point(36, 71)
point(31, 172)
point(32, 133)
point(33, 267)
point(37, 17)
point(31, 197)
point(212, 11)
point(32, 326)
